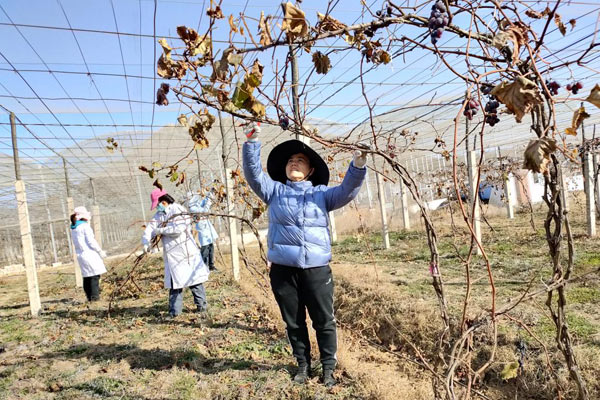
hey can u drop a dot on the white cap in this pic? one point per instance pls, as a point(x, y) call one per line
point(82, 213)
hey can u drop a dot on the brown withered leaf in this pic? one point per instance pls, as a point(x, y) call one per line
point(578, 116)
point(294, 22)
point(519, 96)
point(195, 43)
point(381, 57)
point(327, 23)
point(321, 61)
point(232, 24)
point(161, 95)
point(572, 22)
point(166, 48)
point(264, 30)
point(594, 96)
point(182, 120)
point(561, 26)
point(221, 67)
point(537, 14)
point(216, 13)
point(204, 121)
point(517, 34)
point(537, 154)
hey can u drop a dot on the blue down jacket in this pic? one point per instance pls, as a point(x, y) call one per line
point(298, 211)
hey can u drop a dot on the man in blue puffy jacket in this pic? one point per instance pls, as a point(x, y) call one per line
point(299, 242)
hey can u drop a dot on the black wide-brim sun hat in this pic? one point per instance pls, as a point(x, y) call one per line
point(279, 156)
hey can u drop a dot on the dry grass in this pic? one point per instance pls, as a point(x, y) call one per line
point(75, 352)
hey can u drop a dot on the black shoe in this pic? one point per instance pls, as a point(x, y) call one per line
point(213, 269)
point(301, 374)
point(328, 379)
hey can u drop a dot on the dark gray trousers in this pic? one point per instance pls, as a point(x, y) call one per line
point(298, 290)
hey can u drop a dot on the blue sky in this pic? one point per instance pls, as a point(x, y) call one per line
point(413, 79)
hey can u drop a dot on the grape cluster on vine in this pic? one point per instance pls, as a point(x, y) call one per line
point(574, 87)
point(491, 111)
point(471, 109)
point(438, 21)
point(553, 87)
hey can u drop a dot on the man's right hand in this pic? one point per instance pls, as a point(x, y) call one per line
point(146, 248)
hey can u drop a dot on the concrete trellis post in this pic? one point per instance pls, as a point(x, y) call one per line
point(474, 195)
point(233, 236)
point(369, 195)
point(139, 187)
point(96, 223)
point(590, 203)
point(50, 226)
point(508, 195)
point(67, 231)
point(596, 177)
point(33, 290)
point(384, 224)
point(404, 205)
point(70, 208)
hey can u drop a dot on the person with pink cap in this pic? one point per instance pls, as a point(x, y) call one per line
point(89, 253)
point(183, 262)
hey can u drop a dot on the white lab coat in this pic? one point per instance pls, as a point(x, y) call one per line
point(87, 250)
point(183, 261)
point(206, 231)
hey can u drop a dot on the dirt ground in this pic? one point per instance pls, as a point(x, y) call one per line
point(384, 300)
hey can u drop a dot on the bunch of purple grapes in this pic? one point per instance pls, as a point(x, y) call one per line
point(438, 20)
point(471, 109)
point(491, 111)
point(553, 87)
point(574, 87)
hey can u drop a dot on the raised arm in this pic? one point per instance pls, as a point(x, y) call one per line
point(339, 196)
point(260, 182)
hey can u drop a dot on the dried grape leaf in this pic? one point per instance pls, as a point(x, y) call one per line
point(198, 131)
point(234, 59)
point(221, 67)
point(255, 107)
point(519, 96)
point(510, 371)
point(216, 13)
point(182, 120)
point(537, 14)
point(578, 116)
point(327, 23)
point(242, 96)
point(381, 56)
point(561, 26)
point(572, 22)
point(166, 48)
point(294, 22)
point(537, 154)
point(232, 24)
point(322, 63)
point(195, 43)
point(264, 30)
point(517, 34)
point(594, 96)
point(161, 95)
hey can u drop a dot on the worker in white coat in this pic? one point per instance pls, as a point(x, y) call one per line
point(183, 263)
point(89, 253)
